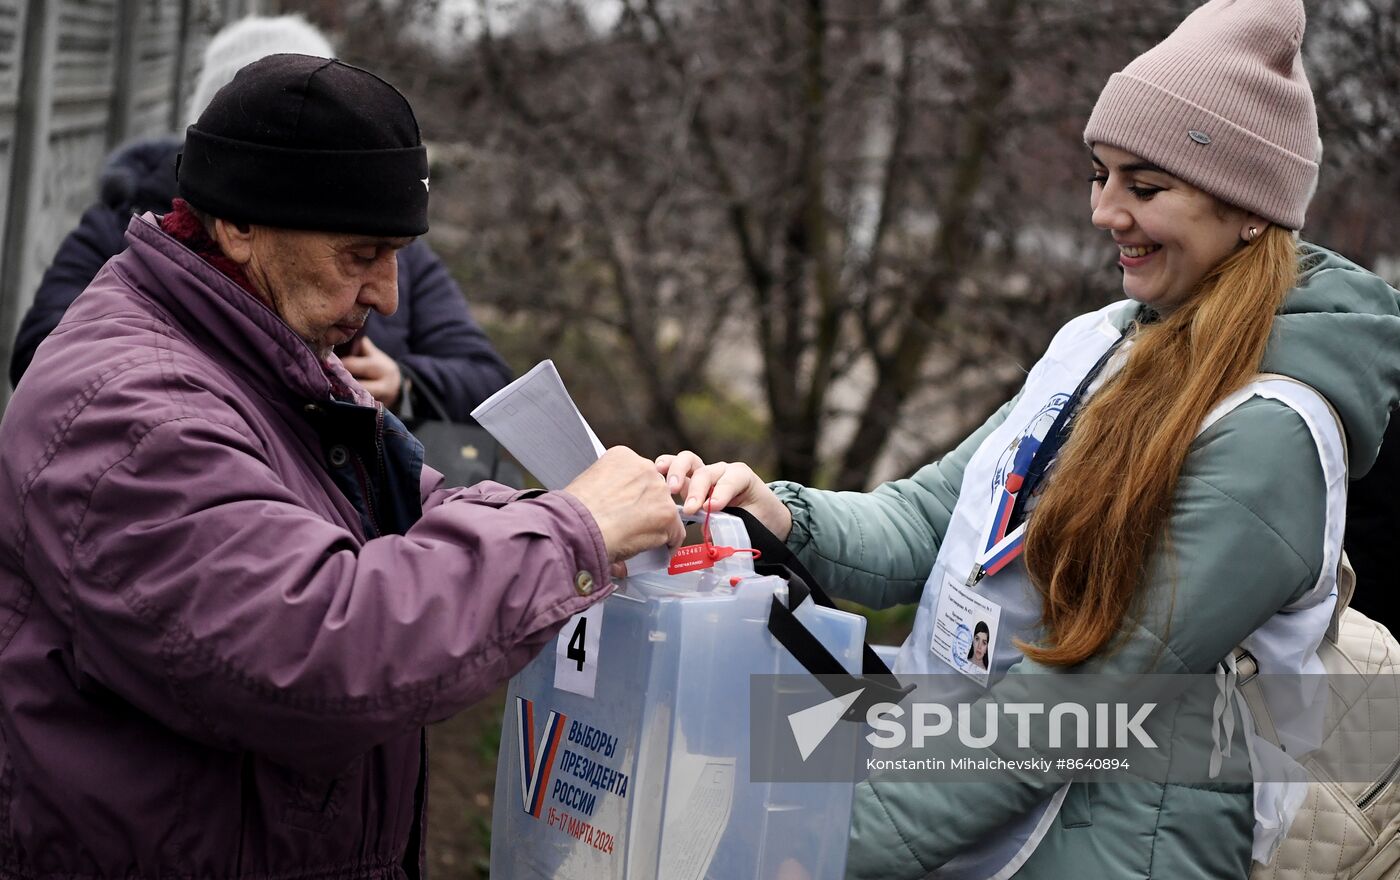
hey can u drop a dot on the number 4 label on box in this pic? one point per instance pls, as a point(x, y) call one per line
point(576, 652)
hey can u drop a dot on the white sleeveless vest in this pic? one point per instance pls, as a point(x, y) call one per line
point(1286, 643)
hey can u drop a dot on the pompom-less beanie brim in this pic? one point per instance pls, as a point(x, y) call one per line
point(303, 142)
point(1205, 149)
point(321, 190)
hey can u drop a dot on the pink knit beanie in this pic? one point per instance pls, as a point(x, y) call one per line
point(1223, 103)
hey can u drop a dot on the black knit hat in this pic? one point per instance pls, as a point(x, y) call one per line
point(308, 143)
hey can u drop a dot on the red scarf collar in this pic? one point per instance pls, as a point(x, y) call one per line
point(182, 225)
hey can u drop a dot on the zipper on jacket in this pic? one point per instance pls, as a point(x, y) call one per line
point(365, 490)
point(1370, 794)
point(379, 441)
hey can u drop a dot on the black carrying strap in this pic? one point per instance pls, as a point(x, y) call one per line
point(465, 452)
point(876, 682)
point(426, 393)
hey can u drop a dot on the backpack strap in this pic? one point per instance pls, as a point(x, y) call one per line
point(1346, 575)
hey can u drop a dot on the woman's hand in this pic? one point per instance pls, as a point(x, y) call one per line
point(725, 484)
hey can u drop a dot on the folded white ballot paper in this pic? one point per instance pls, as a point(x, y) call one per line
point(535, 418)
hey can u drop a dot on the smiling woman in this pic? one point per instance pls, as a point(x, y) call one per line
point(1168, 232)
point(1148, 501)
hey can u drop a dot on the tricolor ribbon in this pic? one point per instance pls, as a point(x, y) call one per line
point(1004, 543)
point(1027, 467)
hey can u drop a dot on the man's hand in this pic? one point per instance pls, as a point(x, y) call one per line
point(376, 371)
point(628, 498)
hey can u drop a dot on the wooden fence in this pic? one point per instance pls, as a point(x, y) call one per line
point(78, 78)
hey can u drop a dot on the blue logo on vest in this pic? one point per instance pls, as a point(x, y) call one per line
point(1030, 438)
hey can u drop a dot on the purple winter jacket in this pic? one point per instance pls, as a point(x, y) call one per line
point(206, 669)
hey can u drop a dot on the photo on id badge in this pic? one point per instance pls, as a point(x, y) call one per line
point(964, 630)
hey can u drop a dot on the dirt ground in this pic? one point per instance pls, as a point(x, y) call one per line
point(461, 783)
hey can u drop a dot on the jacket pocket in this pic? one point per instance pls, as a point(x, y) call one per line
point(1077, 810)
point(313, 803)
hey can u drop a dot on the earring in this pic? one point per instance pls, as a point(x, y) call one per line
point(1253, 232)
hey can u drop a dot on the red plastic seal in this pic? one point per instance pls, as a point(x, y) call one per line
point(697, 557)
point(700, 556)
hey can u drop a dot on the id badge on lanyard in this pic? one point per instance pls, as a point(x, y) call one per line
point(1033, 459)
point(965, 622)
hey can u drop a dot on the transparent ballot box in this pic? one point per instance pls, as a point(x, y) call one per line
point(625, 748)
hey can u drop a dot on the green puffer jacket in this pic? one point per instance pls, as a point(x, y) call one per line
point(1246, 539)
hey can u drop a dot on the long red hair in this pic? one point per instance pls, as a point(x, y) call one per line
point(1106, 506)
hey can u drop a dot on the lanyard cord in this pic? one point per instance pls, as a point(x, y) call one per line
point(1057, 435)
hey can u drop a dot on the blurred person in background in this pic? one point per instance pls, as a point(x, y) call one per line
point(232, 593)
point(1171, 504)
point(1373, 525)
point(432, 333)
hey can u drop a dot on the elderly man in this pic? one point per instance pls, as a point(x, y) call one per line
point(432, 336)
point(230, 595)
